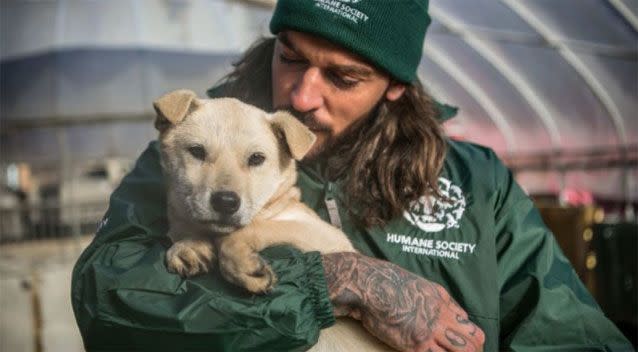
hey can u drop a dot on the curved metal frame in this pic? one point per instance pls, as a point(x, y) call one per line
point(593, 83)
point(442, 60)
point(511, 75)
point(626, 12)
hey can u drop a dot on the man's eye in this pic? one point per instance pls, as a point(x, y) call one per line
point(198, 152)
point(342, 82)
point(288, 60)
point(256, 159)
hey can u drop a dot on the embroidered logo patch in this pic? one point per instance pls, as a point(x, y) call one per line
point(341, 8)
point(431, 247)
point(433, 215)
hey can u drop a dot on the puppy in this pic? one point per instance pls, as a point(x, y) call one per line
point(230, 170)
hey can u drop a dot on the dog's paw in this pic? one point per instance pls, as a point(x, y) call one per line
point(243, 266)
point(190, 257)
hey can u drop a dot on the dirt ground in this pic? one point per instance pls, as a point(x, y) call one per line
point(35, 306)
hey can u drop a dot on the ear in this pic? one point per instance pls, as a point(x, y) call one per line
point(297, 136)
point(395, 91)
point(171, 108)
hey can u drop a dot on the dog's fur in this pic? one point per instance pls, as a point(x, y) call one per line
point(230, 170)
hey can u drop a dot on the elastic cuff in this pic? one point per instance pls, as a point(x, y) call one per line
point(319, 290)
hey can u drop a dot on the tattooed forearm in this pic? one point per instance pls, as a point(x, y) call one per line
point(404, 310)
point(388, 300)
point(340, 269)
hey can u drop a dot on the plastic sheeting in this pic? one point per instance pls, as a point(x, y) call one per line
point(529, 77)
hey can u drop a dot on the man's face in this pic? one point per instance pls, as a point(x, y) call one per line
point(325, 86)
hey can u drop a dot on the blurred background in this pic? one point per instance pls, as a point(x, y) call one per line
point(550, 85)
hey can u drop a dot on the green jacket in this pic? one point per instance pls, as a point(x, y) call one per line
point(488, 246)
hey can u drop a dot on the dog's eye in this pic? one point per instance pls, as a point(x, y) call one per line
point(256, 159)
point(197, 151)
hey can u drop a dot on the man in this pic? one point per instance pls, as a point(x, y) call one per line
point(438, 221)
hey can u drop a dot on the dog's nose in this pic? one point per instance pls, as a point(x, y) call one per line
point(225, 202)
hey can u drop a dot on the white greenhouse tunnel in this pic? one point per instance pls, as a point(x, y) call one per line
point(551, 86)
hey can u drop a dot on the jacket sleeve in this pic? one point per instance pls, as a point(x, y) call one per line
point(544, 305)
point(124, 298)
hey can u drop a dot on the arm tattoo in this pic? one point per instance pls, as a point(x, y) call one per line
point(396, 302)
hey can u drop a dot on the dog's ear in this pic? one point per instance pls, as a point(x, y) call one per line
point(171, 108)
point(297, 136)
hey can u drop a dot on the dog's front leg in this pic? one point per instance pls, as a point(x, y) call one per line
point(190, 257)
point(241, 264)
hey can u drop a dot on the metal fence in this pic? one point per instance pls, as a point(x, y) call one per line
point(24, 222)
point(40, 200)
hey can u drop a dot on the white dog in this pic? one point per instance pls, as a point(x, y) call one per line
point(231, 178)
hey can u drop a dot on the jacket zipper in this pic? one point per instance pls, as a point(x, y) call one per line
point(331, 206)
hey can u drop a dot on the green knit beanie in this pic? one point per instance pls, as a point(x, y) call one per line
point(388, 33)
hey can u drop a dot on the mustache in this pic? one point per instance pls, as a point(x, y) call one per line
point(308, 119)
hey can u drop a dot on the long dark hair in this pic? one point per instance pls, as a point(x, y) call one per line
point(250, 81)
point(387, 161)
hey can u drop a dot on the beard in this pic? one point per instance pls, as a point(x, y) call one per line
point(332, 143)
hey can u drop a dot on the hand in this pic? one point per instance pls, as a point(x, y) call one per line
point(404, 310)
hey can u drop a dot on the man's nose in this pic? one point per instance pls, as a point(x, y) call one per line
point(306, 95)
